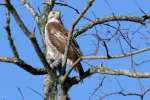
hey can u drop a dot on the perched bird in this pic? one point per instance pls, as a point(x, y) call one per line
point(56, 39)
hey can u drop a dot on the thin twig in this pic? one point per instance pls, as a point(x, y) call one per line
point(66, 5)
point(48, 6)
point(117, 56)
point(21, 93)
point(11, 41)
point(30, 9)
point(70, 70)
point(106, 49)
point(33, 13)
point(35, 92)
point(120, 93)
point(98, 87)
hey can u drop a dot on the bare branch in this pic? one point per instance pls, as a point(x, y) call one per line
point(21, 93)
point(75, 22)
point(120, 93)
point(11, 41)
point(13, 11)
point(37, 92)
point(98, 87)
point(30, 35)
point(33, 12)
point(141, 95)
point(108, 71)
point(97, 21)
point(49, 5)
point(8, 60)
point(146, 91)
point(66, 5)
point(106, 49)
point(23, 65)
point(70, 70)
point(117, 56)
point(30, 9)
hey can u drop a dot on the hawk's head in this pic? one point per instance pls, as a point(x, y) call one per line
point(54, 15)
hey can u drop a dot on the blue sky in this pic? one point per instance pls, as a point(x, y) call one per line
point(14, 78)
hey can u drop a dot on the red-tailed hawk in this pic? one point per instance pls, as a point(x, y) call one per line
point(56, 39)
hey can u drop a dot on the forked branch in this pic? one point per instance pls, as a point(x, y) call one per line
point(29, 34)
point(98, 21)
point(116, 56)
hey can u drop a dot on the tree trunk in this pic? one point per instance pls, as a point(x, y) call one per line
point(53, 90)
point(63, 94)
point(50, 90)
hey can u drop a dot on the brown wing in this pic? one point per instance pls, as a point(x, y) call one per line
point(57, 40)
point(60, 40)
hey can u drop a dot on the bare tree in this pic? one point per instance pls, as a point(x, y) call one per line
point(112, 42)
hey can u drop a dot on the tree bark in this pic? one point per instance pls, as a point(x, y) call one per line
point(53, 90)
point(50, 90)
point(63, 94)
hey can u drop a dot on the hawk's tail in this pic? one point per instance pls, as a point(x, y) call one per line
point(79, 70)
